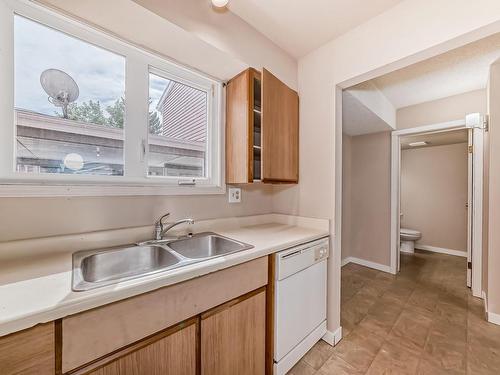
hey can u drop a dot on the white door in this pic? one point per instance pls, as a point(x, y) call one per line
point(469, 207)
point(474, 122)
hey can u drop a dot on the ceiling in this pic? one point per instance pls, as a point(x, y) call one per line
point(436, 139)
point(458, 71)
point(299, 27)
point(358, 119)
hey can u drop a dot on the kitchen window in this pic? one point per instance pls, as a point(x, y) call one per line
point(88, 114)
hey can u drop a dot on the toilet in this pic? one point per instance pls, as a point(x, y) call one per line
point(408, 238)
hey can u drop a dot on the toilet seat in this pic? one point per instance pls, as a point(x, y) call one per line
point(408, 238)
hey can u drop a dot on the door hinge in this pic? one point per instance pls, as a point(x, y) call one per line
point(470, 148)
point(469, 265)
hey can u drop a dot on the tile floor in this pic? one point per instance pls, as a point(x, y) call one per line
point(422, 321)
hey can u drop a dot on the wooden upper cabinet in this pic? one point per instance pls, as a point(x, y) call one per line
point(262, 129)
point(280, 131)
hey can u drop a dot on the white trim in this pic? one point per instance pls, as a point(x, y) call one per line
point(333, 338)
point(367, 263)
point(395, 197)
point(441, 250)
point(490, 317)
point(477, 206)
point(448, 125)
point(345, 261)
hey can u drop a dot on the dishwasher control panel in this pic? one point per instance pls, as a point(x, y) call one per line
point(291, 261)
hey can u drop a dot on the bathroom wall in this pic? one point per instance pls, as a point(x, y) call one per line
point(346, 195)
point(367, 209)
point(434, 194)
point(442, 110)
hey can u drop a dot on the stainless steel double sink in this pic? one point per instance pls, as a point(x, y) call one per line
point(96, 268)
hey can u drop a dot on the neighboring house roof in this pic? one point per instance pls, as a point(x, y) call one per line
point(184, 112)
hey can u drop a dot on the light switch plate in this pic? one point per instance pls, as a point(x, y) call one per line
point(234, 195)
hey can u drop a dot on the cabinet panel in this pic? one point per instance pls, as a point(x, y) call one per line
point(233, 338)
point(96, 333)
point(173, 354)
point(28, 352)
point(239, 160)
point(280, 131)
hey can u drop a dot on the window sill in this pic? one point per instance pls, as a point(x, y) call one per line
point(84, 190)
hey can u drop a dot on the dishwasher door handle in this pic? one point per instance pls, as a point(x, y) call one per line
point(291, 255)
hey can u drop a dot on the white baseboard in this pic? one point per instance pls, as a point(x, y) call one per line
point(333, 338)
point(345, 261)
point(441, 250)
point(491, 317)
point(367, 263)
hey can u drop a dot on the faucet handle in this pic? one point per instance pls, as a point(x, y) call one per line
point(159, 226)
point(160, 220)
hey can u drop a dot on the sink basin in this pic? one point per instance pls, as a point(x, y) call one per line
point(96, 268)
point(107, 266)
point(206, 245)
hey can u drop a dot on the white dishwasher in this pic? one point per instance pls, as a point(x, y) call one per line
point(300, 302)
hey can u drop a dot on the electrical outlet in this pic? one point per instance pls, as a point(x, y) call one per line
point(234, 195)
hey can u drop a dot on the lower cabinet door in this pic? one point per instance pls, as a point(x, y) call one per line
point(233, 337)
point(173, 354)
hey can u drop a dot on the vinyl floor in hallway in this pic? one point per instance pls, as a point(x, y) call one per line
point(422, 321)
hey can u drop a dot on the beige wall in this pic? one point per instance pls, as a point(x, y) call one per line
point(346, 195)
point(493, 256)
point(22, 218)
point(434, 194)
point(367, 205)
point(382, 44)
point(441, 110)
point(225, 54)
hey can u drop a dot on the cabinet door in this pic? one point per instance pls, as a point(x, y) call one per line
point(239, 153)
point(280, 131)
point(29, 352)
point(165, 354)
point(233, 337)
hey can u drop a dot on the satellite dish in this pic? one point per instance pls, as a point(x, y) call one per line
point(60, 87)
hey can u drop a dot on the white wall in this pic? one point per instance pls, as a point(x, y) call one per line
point(216, 43)
point(434, 194)
point(394, 39)
point(220, 55)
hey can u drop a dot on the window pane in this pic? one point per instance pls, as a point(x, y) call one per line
point(177, 129)
point(69, 103)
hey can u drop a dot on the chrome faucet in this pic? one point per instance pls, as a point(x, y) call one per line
point(161, 231)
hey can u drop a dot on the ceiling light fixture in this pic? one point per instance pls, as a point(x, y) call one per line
point(220, 3)
point(416, 144)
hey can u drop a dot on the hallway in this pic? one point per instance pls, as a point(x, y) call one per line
point(423, 321)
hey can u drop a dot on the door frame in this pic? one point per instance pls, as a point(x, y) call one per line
point(477, 188)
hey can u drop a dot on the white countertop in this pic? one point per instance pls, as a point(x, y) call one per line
point(28, 302)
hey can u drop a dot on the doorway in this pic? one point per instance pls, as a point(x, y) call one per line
point(474, 125)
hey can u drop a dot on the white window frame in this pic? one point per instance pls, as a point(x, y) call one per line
point(139, 63)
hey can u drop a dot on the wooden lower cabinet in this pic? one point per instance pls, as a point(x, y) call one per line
point(228, 339)
point(28, 352)
point(233, 337)
point(173, 352)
